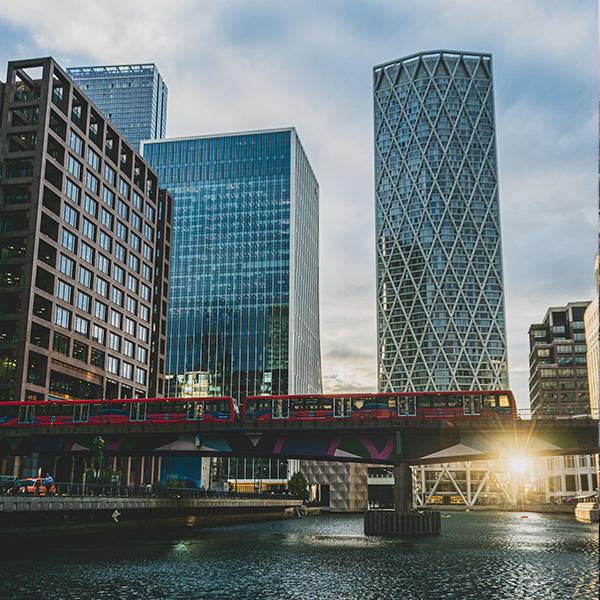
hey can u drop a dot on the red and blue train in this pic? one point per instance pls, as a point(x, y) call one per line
point(261, 409)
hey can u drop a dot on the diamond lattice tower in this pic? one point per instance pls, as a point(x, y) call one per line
point(440, 292)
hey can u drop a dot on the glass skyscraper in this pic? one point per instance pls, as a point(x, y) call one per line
point(440, 292)
point(133, 97)
point(244, 295)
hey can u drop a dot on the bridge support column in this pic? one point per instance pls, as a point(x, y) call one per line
point(402, 488)
point(403, 520)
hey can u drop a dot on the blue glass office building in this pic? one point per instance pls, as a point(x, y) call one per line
point(244, 295)
point(133, 97)
point(440, 289)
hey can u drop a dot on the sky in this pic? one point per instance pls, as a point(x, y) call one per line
point(252, 64)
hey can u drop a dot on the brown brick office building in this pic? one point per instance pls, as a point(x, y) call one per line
point(84, 247)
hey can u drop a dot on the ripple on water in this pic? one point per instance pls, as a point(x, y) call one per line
point(485, 556)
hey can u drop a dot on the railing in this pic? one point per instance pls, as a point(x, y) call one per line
point(82, 490)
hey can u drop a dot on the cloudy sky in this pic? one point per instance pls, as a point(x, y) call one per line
point(250, 64)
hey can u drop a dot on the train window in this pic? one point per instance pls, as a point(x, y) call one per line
point(137, 411)
point(81, 413)
point(489, 401)
point(195, 411)
point(423, 401)
point(391, 402)
point(439, 402)
point(297, 404)
point(504, 401)
point(312, 404)
point(281, 409)
point(326, 404)
point(453, 401)
point(26, 414)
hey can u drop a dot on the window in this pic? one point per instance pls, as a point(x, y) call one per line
point(135, 241)
point(142, 333)
point(66, 266)
point(71, 216)
point(569, 462)
point(93, 160)
point(80, 351)
point(112, 364)
point(100, 310)
point(117, 296)
point(106, 219)
point(64, 291)
point(74, 167)
point(142, 354)
point(121, 231)
point(564, 349)
point(132, 284)
point(547, 373)
point(145, 292)
point(115, 318)
point(129, 326)
point(84, 301)
point(97, 358)
point(85, 277)
point(92, 182)
point(580, 348)
point(136, 200)
point(131, 305)
point(114, 341)
point(90, 206)
point(69, 241)
point(108, 197)
point(146, 272)
point(61, 344)
point(119, 274)
point(98, 334)
point(62, 317)
point(76, 143)
point(134, 263)
point(109, 174)
point(82, 325)
point(88, 229)
point(140, 375)
point(148, 253)
point(543, 352)
point(148, 232)
point(149, 212)
point(128, 348)
point(123, 210)
point(105, 241)
point(86, 252)
point(144, 313)
point(127, 371)
point(102, 287)
point(123, 188)
point(136, 221)
point(120, 253)
point(72, 191)
point(103, 263)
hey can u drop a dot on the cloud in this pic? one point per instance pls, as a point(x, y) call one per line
point(248, 65)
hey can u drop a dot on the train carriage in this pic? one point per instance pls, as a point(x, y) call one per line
point(356, 407)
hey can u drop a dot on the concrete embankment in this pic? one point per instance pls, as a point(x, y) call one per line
point(82, 516)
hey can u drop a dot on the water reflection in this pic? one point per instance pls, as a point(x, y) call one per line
point(480, 556)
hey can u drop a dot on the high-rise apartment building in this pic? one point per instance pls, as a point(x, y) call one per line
point(558, 376)
point(244, 299)
point(440, 293)
point(84, 247)
point(133, 97)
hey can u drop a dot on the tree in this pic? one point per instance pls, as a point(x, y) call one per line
point(297, 485)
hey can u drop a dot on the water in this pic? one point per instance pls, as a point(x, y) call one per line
point(480, 556)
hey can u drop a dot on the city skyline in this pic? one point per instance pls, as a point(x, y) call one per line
point(546, 141)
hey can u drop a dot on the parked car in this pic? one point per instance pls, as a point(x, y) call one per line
point(34, 487)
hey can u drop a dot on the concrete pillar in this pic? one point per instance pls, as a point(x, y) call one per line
point(402, 488)
point(16, 466)
point(153, 470)
point(128, 473)
point(142, 465)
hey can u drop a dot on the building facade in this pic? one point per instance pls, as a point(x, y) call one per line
point(592, 324)
point(244, 300)
point(84, 235)
point(558, 376)
point(440, 291)
point(133, 97)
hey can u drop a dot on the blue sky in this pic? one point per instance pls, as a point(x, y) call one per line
point(258, 64)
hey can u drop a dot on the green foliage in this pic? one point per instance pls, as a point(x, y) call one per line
point(297, 485)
